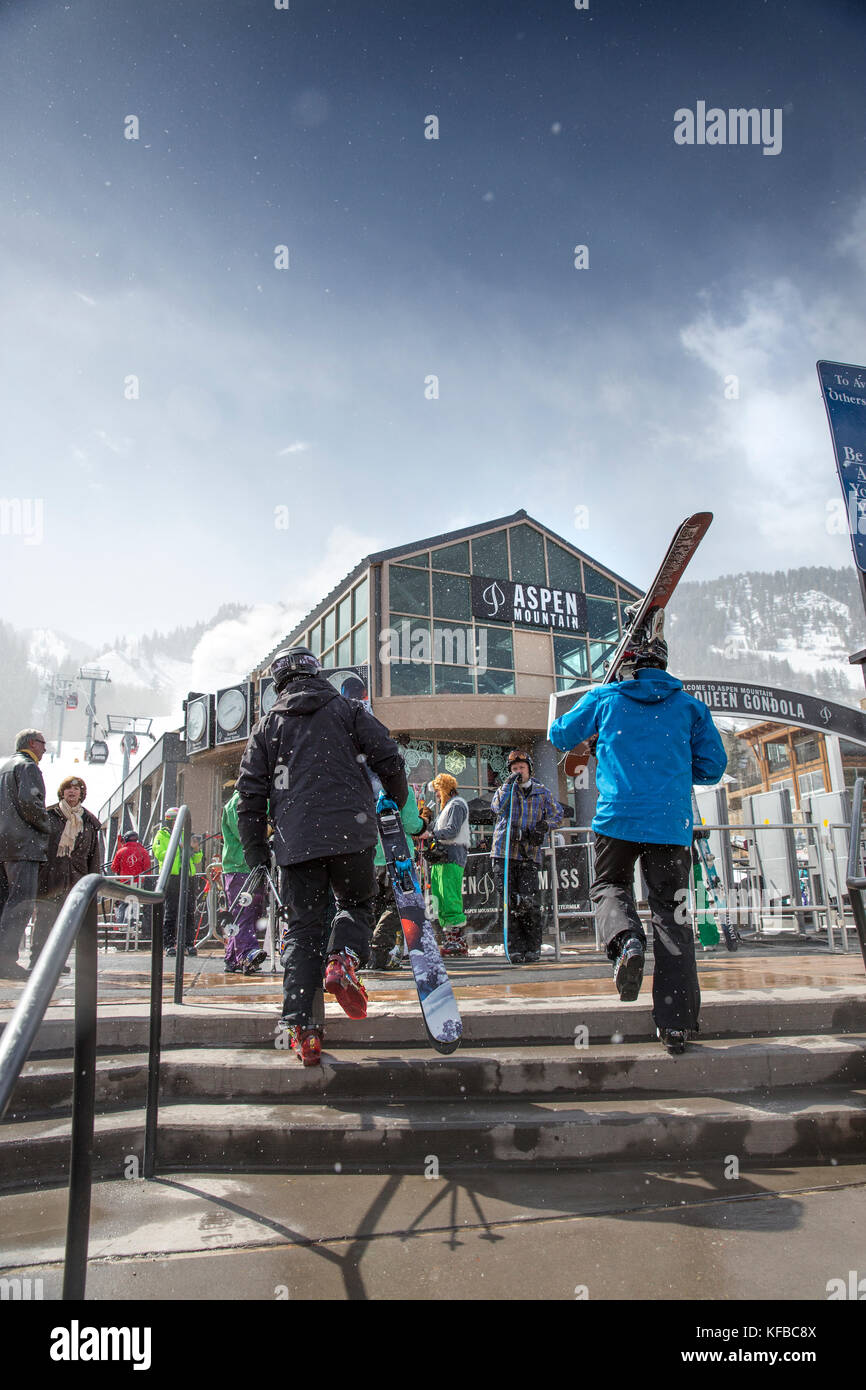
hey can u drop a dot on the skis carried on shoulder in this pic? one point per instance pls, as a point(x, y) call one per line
point(644, 618)
point(645, 623)
point(435, 994)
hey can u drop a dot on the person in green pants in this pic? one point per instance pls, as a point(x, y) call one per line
point(450, 832)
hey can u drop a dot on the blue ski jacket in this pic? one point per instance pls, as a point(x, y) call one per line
point(654, 742)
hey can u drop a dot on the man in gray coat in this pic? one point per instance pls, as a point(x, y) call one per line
point(23, 844)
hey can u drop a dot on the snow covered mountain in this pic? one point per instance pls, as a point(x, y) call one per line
point(793, 628)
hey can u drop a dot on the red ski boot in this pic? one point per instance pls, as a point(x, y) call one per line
point(307, 1045)
point(454, 945)
point(341, 980)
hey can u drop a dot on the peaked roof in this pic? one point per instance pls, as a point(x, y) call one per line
point(427, 543)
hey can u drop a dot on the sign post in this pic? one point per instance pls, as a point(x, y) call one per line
point(843, 388)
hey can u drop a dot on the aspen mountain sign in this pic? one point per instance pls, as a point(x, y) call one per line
point(530, 605)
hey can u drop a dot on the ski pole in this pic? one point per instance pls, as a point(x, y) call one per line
point(505, 877)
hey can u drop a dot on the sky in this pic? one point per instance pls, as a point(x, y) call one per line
point(191, 424)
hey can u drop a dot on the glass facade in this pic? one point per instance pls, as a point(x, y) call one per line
point(339, 637)
point(465, 656)
point(479, 768)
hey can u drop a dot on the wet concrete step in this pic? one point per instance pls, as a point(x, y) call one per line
point(487, 1022)
point(804, 1124)
point(725, 1066)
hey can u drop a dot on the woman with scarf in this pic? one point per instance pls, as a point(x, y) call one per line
point(73, 851)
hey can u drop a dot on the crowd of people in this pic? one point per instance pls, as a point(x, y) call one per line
point(301, 821)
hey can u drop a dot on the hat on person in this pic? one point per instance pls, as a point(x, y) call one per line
point(518, 755)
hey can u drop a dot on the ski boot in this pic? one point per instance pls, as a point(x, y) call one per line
point(305, 1042)
point(532, 957)
point(341, 980)
point(232, 969)
point(253, 961)
point(454, 945)
point(628, 972)
point(674, 1039)
point(307, 1045)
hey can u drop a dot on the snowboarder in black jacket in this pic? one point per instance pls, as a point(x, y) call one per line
point(304, 768)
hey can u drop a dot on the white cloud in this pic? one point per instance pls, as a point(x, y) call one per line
point(299, 448)
point(231, 649)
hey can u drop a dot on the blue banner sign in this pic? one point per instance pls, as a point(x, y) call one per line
point(844, 390)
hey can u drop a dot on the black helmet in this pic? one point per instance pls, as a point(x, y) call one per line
point(291, 663)
point(130, 837)
point(654, 653)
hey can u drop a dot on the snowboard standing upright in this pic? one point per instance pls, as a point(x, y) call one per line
point(435, 995)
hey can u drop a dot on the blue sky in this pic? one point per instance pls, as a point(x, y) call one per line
point(559, 388)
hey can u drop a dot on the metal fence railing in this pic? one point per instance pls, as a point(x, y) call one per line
point(77, 925)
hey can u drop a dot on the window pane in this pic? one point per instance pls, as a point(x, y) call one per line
point(421, 561)
point(410, 680)
point(328, 658)
point(527, 555)
point(493, 765)
point(409, 590)
point(452, 644)
point(495, 646)
point(601, 619)
point(564, 569)
point(599, 653)
point(451, 596)
point(344, 616)
point(418, 757)
point(361, 601)
point(571, 661)
point(460, 760)
point(344, 652)
point(360, 655)
point(315, 639)
point(452, 557)
point(490, 555)
point(625, 597)
point(806, 750)
point(597, 583)
point(778, 755)
point(453, 680)
point(496, 683)
point(329, 629)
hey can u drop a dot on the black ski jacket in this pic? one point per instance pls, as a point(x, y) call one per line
point(305, 766)
point(23, 815)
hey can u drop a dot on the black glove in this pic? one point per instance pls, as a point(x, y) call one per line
point(536, 836)
point(257, 856)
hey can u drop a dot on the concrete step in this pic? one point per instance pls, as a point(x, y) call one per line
point(748, 1013)
point(724, 1066)
point(799, 1124)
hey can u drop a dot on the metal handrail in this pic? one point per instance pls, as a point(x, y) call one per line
point(854, 880)
point(77, 925)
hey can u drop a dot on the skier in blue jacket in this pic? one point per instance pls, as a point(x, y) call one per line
point(653, 742)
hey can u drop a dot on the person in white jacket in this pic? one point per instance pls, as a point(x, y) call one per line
point(447, 844)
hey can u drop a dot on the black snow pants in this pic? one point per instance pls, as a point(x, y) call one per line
point(307, 938)
point(666, 868)
point(525, 913)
